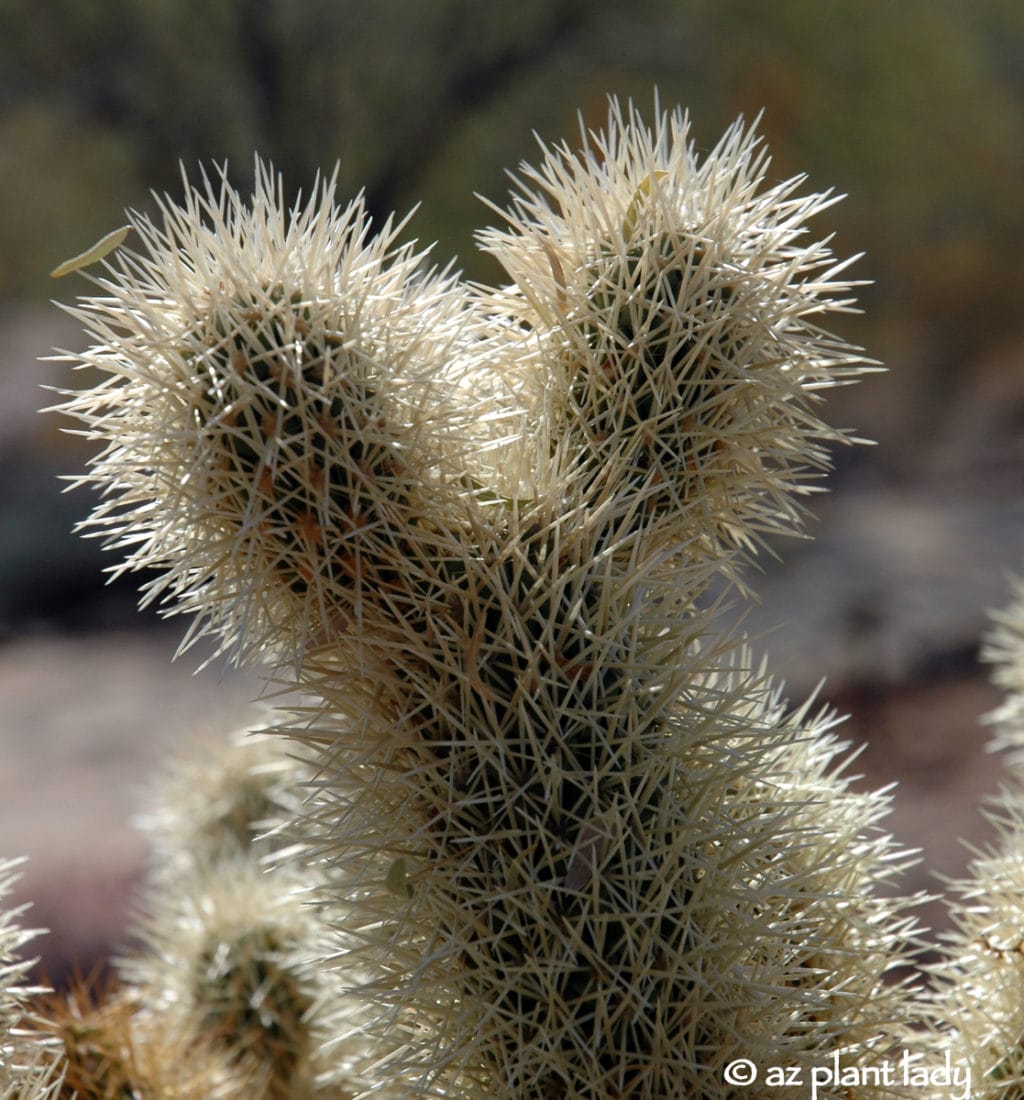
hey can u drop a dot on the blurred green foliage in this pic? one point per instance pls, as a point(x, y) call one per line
point(913, 107)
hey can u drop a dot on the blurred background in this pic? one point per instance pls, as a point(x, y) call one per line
point(913, 108)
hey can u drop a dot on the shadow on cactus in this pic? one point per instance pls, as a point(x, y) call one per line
point(574, 843)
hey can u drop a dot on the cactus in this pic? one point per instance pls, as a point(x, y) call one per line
point(295, 383)
point(111, 1054)
point(226, 959)
point(977, 1005)
point(30, 1065)
point(573, 842)
point(223, 968)
point(675, 304)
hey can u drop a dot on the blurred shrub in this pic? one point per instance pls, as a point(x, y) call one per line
point(64, 182)
point(916, 109)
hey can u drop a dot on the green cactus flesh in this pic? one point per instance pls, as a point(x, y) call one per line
point(291, 417)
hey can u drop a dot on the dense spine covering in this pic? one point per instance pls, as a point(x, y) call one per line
point(978, 1008)
point(672, 306)
point(30, 1064)
point(621, 909)
point(574, 840)
point(291, 380)
point(228, 956)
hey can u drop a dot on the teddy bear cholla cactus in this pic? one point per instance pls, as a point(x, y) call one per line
point(30, 1066)
point(226, 968)
point(978, 1007)
point(577, 841)
point(677, 302)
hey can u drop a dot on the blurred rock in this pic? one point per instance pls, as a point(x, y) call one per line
point(82, 724)
point(894, 586)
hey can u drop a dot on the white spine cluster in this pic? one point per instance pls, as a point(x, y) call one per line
point(668, 309)
point(294, 430)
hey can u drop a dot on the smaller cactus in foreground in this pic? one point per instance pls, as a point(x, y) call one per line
point(222, 967)
point(301, 402)
point(979, 1001)
point(224, 800)
point(30, 1065)
point(226, 995)
point(231, 943)
point(110, 1055)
